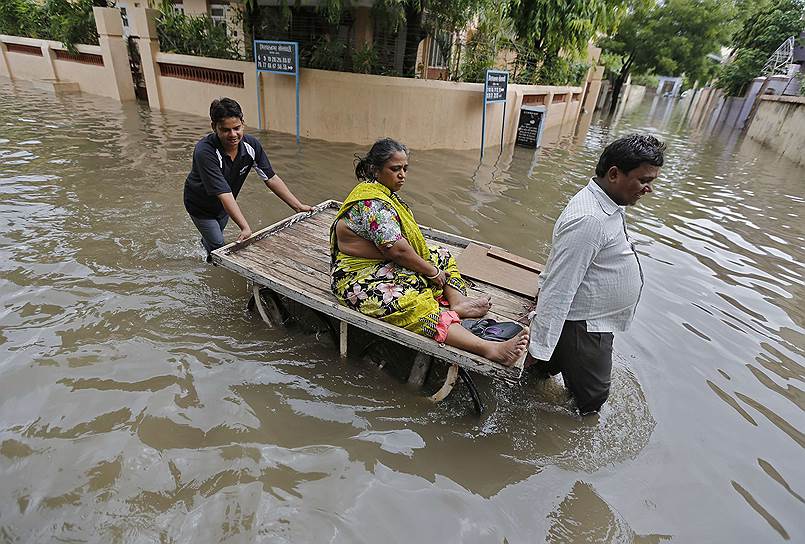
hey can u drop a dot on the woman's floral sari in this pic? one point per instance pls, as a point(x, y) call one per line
point(381, 288)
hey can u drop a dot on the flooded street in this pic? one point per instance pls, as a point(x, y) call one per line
point(141, 402)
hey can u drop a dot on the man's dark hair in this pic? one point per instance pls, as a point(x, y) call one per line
point(221, 108)
point(630, 152)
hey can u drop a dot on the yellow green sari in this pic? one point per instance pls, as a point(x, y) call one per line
point(383, 289)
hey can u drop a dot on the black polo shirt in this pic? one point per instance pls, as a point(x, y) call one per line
point(214, 173)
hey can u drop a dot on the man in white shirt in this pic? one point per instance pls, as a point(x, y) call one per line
point(593, 279)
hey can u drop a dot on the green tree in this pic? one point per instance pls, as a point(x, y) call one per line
point(671, 39)
point(767, 25)
point(71, 22)
point(193, 35)
point(493, 34)
point(553, 33)
point(68, 21)
point(22, 18)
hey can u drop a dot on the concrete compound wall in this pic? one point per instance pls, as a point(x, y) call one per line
point(335, 106)
point(634, 96)
point(426, 114)
point(348, 107)
point(779, 124)
point(359, 108)
point(112, 78)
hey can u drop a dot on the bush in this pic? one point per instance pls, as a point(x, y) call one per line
point(194, 35)
point(328, 54)
point(738, 73)
point(647, 80)
point(364, 60)
point(70, 22)
point(22, 18)
point(560, 71)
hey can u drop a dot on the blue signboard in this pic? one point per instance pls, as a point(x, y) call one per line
point(496, 84)
point(276, 58)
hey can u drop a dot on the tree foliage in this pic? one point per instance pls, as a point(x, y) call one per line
point(767, 25)
point(546, 37)
point(672, 39)
point(552, 26)
point(193, 35)
point(493, 34)
point(70, 22)
point(552, 35)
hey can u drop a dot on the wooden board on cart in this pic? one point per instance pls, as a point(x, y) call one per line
point(292, 258)
point(495, 266)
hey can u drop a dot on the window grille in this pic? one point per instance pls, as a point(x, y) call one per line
point(83, 58)
point(436, 57)
point(26, 49)
point(204, 75)
point(534, 100)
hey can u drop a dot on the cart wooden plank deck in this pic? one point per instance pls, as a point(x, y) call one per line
point(292, 259)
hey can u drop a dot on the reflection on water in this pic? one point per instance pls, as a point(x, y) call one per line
point(141, 402)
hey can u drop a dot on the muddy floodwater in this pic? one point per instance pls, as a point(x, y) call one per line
point(141, 402)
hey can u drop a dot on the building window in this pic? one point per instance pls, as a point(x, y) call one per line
point(178, 7)
point(437, 58)
point(218, 14)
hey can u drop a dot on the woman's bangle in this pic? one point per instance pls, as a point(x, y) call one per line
point(436, 275)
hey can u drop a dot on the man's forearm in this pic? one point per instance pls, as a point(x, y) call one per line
point(279, 188)
point(233, 210)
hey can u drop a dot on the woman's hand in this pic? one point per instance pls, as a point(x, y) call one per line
point(439, 279)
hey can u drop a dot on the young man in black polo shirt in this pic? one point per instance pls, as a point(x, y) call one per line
point(221, 162)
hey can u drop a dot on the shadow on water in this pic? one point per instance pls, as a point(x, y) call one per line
point(140, 401)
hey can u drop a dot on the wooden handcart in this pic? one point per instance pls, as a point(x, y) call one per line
point(292, 259)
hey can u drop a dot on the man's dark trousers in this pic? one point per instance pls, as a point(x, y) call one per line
point(585, 361)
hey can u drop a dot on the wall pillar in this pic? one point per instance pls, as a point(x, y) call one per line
point(114, 51)
point(50, 56)
point(5, 68)
point(142, 22)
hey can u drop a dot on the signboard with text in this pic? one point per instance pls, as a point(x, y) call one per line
point(276, 57)
point(529, 126)
point(495, 86)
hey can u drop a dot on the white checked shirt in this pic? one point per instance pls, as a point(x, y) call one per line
point(592, 273)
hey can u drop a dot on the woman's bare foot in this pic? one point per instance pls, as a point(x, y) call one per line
point(507, 353)
point(472, 307)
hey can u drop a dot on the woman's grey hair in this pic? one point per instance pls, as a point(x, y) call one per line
point(366, 168)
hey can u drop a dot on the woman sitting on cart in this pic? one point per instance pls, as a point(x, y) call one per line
point(382, 266)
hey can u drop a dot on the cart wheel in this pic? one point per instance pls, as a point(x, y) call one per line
point(476, 396)
point(447, 386)
point(267, 305)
